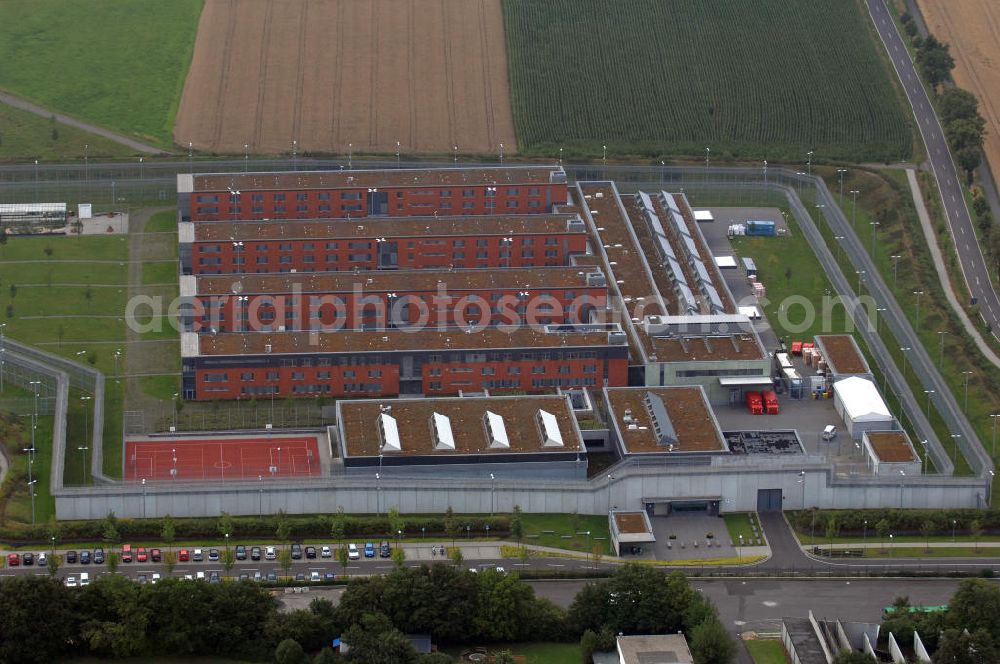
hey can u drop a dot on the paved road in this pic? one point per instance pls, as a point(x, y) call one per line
point(977, 276)
point(138, 146)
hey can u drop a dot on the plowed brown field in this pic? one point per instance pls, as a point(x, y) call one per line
point(431, 74)
point(972, 28)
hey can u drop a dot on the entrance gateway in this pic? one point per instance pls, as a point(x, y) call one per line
point(769, 500)
point(667, 506)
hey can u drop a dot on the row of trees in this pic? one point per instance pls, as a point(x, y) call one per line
point(116, 618)
point(897, 521)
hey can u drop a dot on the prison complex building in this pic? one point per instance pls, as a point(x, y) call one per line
point(489, 241)
point(392, 362)
point(364, 193)
point(418, 299)
point(472, 435)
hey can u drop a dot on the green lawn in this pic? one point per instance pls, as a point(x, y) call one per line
point(25, 136)
point(766, 652)
point(117, 63)
point(567, 531)
point(162, 222)
point(650, 78)
point(534, 653)
point(159, 273)
point(739, 524)
point(933, 552)
point(161, 387)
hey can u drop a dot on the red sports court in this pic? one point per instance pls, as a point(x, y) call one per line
point(220, 458)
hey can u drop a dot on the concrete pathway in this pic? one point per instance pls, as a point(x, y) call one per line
point(942, 272)
point(19, 103)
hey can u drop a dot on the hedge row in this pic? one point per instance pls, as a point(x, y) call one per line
point(900, 522)
point(300, 527)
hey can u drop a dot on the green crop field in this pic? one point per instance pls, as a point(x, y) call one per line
point(25, 136)
point(759, 79)
point(116, 63)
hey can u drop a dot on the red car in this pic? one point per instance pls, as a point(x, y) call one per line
point(140, 554)
point(183, 556)
point(13, 560)
point(126, 553)
point(154, 555)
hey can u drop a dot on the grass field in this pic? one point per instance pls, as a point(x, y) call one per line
point(25, 137)
point(766, 652)
point(652, 78)
point(116, 63)
point(567, 531)
point(162, 222)
point(739, 524)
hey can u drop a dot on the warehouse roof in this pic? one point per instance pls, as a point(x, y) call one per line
point(374, 227)
point(392, 280)
point(457, 426)
point(842, 354)
point(387, 341)
point(362, 179)
point(690, 420)
point(891, 446)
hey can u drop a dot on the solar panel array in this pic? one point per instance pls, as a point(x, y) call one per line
point(705, 283)
point(685, 296)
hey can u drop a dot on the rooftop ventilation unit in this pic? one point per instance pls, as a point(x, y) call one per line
point(496, 430)
point(444, 439)
point(663, 427)
point(389, 433)
point(551, 435)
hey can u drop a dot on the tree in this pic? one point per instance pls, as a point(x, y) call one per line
point(711, 644)
point(598, 553)
point(110, 530)
point(399, 557)
point(882, 530)
point(503, 657)
point(325, 656)
point(455, 553)
point(226, 525)
point(436, 658)
point(969, 159)
point(958, 646)
point(170, 560)
point(602, 640)
point(853, 657)
point(832, 529)
point(289, 652)
point(957, 104)
point(975, 606)
point(22, 637)
point(374, 640)
point(343, 557)
point(976, 528)
point(283, 529)
point(285, 560)
point(934, 61)
point(111, 560)
point(451, 526)
point(396, 523)
point(927, 528)
point(517, 524)
point(228, 560)
point(53, 562)
point(167, 530)
point(338, 526)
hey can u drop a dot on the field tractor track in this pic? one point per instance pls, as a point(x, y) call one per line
point(338, 76)
point(971, 67)
point(487, 91)
point(300, 78)
point(373, 101)
point(265, 44)
point(449, 75)
point(412, 79)
point(220, 114)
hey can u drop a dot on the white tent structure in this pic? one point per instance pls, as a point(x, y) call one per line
point(861, 406)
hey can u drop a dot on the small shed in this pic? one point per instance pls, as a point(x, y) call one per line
point(859, 404)
point(890, 454)
point(630, 531)
point(704, 216)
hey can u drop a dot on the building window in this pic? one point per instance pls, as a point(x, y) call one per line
point(279, 197)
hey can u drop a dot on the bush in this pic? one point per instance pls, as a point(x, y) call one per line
point(901, 522)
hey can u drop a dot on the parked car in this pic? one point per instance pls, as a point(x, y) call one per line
point(352, 552)
point(84, 557)
point(272, 576)
point(384, 550)
point(369, 550)
point(501, 570)
point(314, 577)
point(141, 555)
point(325, 552)
point(213, 555)
point(213, 577)
point(126, 553)
point(197, 555)
point(296, 552)
point(42, 559)
point(270, 553)
point(257, 576)
point(13, 560)
point(98, 556)
point(199, 575)
point(142, 580)
point(71, 582)
point(27, 559)
point(84, 578)
point(155, 555)
point(329, 576)
point(310, 552)
point(183, 556)
point(241, 552)
point(155, 577)
point(71, 557)
point(301, 576)
point(255, 553)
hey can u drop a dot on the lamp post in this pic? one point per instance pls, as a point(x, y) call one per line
point(246, 157)
point(854, 208)
point(34, 416)
point(840, 175)
point(904, 350)
point(861, 276)
point(397, 155)
point(3, 349)
point(86, 416)
point(989, 489)
point(927, 412)
point(260, 496)
point(864, 536)
point(923, 469)
point(878, 319)
point(874, 225)
point(895, 265)
point(840, 246)
point(190, 157)
point(967, 374)
point(902, 478)
point(173, 459)
point(83, 469)
point(295, 155)
point(174, 398)
point(454, 152)
point(610, 477)
point(919, 294)
point(994, 417)
point(143, 497)
point(350, 156)
point(954, 445)
point(493, 487)
point(941, 335)
point(31, 490)
point(604, 155)
point(809, 163)
point(378, 493)
point(765, 172)
point(953, 524)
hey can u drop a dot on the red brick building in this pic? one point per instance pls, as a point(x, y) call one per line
point(370, 363)
point(513, 241)
point(437, 299)
point(363, 193)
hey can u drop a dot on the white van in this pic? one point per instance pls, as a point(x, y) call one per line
point(829, 432)
point(84, 578)
point(270, 553)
